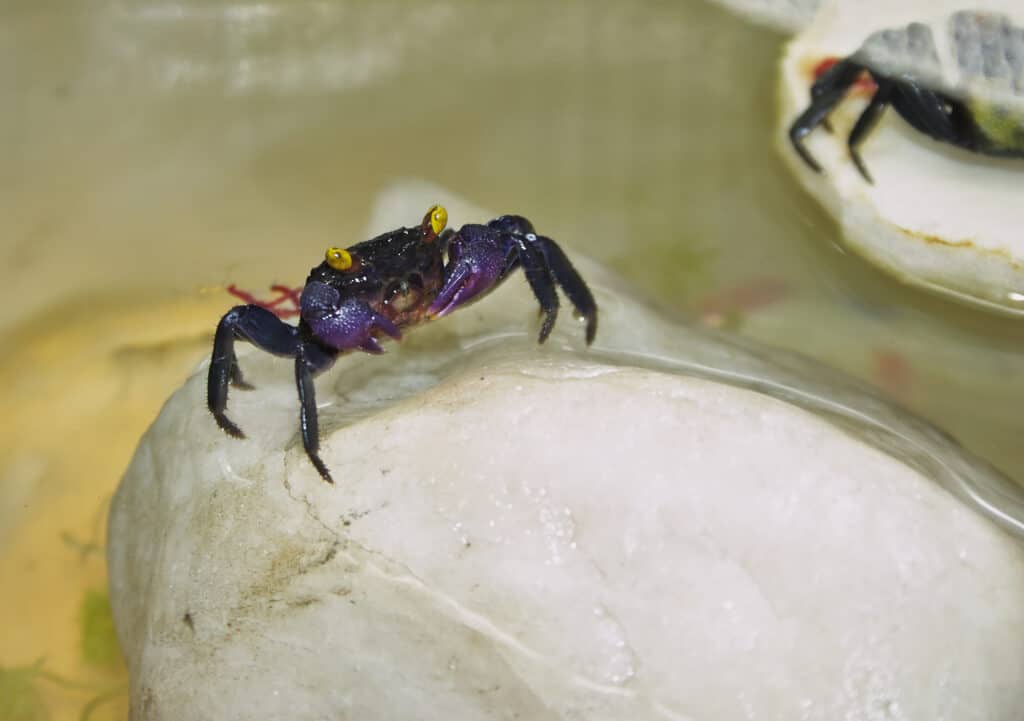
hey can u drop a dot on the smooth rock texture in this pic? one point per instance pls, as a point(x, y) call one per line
point(782, 15)
point(561, 533)
point(937, 217)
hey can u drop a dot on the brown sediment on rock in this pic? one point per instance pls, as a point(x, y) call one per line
point(931, 239)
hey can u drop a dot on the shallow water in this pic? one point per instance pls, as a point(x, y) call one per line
point(162, 150)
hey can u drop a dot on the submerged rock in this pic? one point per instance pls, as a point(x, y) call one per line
point(651, 529)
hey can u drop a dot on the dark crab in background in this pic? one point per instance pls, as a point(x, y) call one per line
point(379, 287)
point(972, 100)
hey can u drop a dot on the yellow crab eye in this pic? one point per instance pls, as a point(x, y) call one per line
point(339, 258)
point(438, 218)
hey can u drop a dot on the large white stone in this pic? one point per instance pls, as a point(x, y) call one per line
point(936, 216)
point(560, 533)
point(783, 15)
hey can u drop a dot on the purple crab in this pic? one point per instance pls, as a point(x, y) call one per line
point(375, 289)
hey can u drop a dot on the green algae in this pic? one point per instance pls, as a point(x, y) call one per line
point(98, 638)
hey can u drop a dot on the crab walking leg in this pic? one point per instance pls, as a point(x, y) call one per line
point(237, 379)
point(542, 282)
point(309, 362)
point(571, 282)
point(558, 271)
point(811, 118)
point(865, 123)
point(826, 93)
point(256, 325)
point(926, 111)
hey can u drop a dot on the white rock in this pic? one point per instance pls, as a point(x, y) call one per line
point(558, 533)
point(936, 216)
point(785, 15)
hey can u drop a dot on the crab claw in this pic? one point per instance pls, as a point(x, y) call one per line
point(480, 263)
point(480, 257)
point(344, 325)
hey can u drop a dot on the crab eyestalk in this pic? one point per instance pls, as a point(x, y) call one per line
point(338, 258)
point(434, 222)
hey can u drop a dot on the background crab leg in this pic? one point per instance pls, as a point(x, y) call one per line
point(867, 120)
point(572, 283)
point(260, 327)
point(826, 93)
point(926, 110)
point(309, 361)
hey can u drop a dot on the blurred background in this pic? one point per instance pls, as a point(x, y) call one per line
point(153, 152)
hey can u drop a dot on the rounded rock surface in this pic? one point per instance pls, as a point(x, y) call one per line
point(636, 531)
point(558, 539)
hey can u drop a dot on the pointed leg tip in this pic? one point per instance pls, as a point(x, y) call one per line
point(547, 326)
point(864, 172)
point(803, 152)
point(591, 331)
point(321, 468)
point(811, 162)
point(545, 330)
point(230, 428)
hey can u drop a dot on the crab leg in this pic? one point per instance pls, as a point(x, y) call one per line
point(826, 93)
point(867, 120)
point(572, 283)
point(260, 327)
point(309, 361)
point(925, 110)
point(539, 276)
